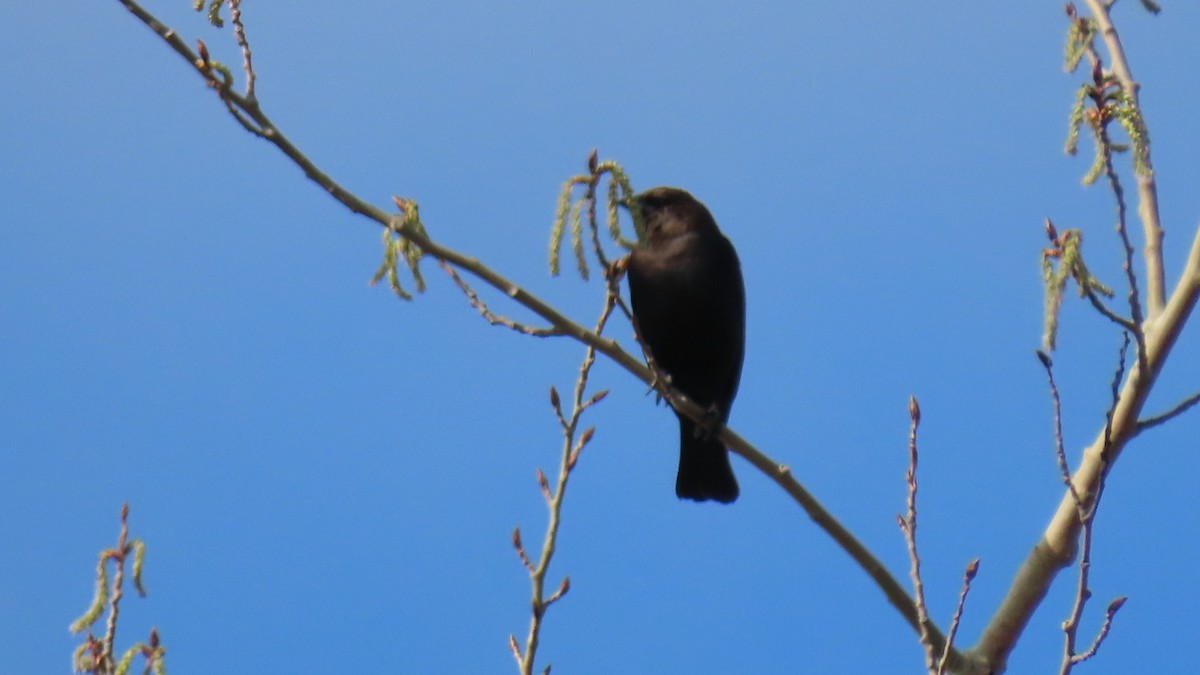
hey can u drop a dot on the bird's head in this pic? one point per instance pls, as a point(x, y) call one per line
point(665, 212)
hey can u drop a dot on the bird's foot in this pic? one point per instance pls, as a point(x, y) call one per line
point(659, 382)
point(711, 424)
point(615, 270)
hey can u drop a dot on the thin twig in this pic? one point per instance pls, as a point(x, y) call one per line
point(1121, 321)
point(908, 525)
point(968, 576)
point(1115, 392)
point(1179, 409)
point(222, 86)
point(1059, 452)
point(520, 548)
point(612, 276)
point(1104, 628)
point(573, 444)
point(1099, 99)
point(487, 314)
point(239, 32)
point(1087, 520)
point(98, 656)
point(590, 199)
point(1147, 189)
point(114, 599)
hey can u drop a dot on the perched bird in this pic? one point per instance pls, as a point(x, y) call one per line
point(686, 288)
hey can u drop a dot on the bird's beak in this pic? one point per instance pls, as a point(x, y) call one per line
point(633, 204)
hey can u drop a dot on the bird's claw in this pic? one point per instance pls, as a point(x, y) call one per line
point(711, 424)
point(658, 381)
point(616, 269)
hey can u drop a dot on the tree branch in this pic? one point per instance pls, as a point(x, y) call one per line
point(1121, 321)
point(1055, 550)
point(1147, 188)
point(1057, 547)
point(1179, 409)
point(968, 576)
point(777, 472)
point(1099, 95)
point(482, 308)
point(908, 525)
point(1087, 519)
point(573, 444)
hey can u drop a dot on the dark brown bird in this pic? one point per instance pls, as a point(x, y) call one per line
point(690, 306)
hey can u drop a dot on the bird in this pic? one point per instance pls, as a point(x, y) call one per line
point(689, 308)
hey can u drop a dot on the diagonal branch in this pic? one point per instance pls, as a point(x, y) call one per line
point(492, 318)
point(1056, 548)
point(1179, 409)
point(1121, 321)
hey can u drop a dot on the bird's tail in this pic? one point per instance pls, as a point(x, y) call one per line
point(704, 471)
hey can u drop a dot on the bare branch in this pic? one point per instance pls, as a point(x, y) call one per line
point(1087, 520)
point(1179, 409)
point(239, 32)
point(487, 314)
point(1121, 321)
point(968, 576)
point(516, 541)
point(563, 587)
point(1104, 628)
point(908, 525)
point(572, 445)
point(1057, 546)
point(1059, 452)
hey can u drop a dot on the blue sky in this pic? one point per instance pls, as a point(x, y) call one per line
point(327, 478)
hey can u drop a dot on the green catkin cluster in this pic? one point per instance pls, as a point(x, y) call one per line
point(572, 210)
point(398, 248)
